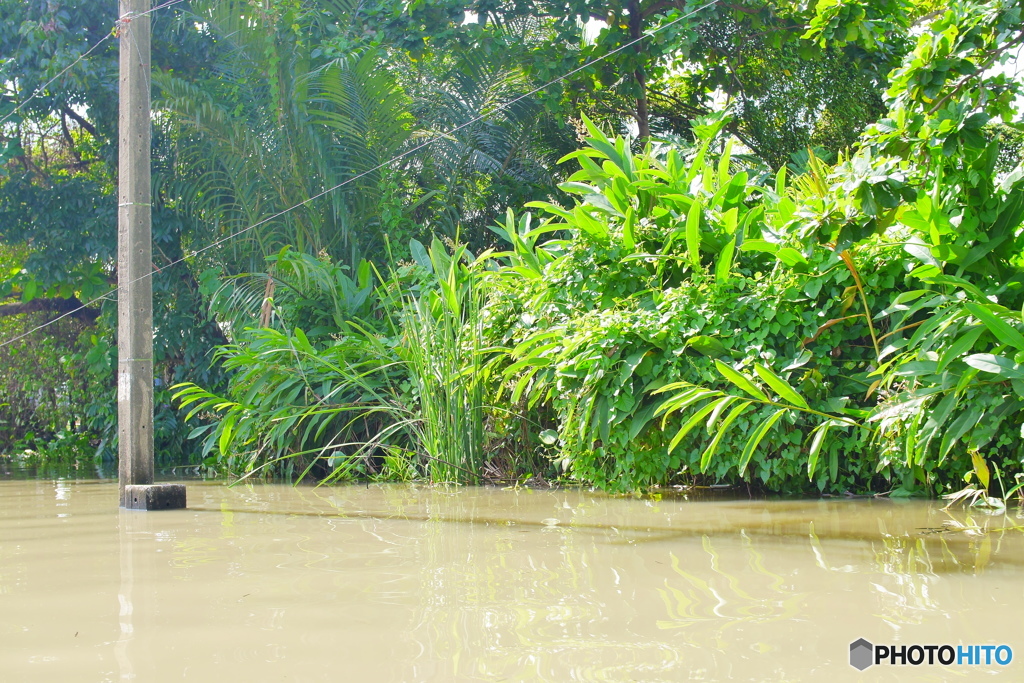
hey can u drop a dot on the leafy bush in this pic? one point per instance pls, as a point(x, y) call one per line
point(688, 276)
point(384, 380)
point(690, 318)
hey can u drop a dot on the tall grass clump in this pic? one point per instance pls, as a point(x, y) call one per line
point(444, 353)
point(340, 379)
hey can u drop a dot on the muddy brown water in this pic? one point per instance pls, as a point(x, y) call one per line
point(406, 583)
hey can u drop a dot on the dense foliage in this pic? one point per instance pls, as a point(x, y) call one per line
point(771, 244)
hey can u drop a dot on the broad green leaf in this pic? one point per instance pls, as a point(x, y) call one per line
point(593, 129)
point(936, 419)
point(227, 429)
point(302, 343)
point(533, 339)
point(604, 423)
point(760, 245)
point(903, 298)
point(954, 281)
point(800, 360)
point(628, 241)
point(694, 420)
point(963, 424)
point(693, 234)
point(723, 268)
point(682, 401)
point(921, 251)
point(817, 439)
point(729, 220)
point(640, 419)
point(629, 366)
point(552, 208)
point(723, 165)
point(522, 384)
point(199, 431)
point(740, 381)
point(999, 365)
point(1002, 330)
point(759, 433)
point(578, 188)
point(537, 357)
point(937, 323)
point(961, 346)
point(780, 386)
point(420, 255)
point(720, 407)
point(916, 368)
point(588, 224)
point(791, 257)
point(707, 345)
point(29, 290)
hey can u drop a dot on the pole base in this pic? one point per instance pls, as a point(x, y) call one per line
point(154, 497)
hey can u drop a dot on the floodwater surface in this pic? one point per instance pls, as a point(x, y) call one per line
point(405, 583)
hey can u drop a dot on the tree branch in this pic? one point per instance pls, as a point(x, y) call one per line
point(71, 306)
point(85, 125)
point(989, 58)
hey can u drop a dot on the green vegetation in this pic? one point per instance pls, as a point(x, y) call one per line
point(774, 246)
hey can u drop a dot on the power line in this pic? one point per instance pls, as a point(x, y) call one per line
point(371, 170)
point(158, 7)
point(38, 91)
point(122, 21)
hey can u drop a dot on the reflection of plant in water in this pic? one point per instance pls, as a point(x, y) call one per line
point(908, 566)
point(906, 573)
point(698, 600)
point(982, 521)
point(966, 542)
point(985, 529)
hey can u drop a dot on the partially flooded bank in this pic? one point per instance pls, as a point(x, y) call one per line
point(405, 583)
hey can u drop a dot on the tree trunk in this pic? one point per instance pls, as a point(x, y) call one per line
point(635, 33)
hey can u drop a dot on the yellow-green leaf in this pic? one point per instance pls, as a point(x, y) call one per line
point(980, 468)
point(690, 424)
point(817, 439)
point(755, 440)
point(705, 458)
point(780, 386)
point(1003, 331)
point(740, 381)
point(693, 234)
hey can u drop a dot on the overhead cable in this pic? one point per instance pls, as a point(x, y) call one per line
point(379, 166)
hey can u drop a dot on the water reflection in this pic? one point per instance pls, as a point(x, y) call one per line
point(407, 583)
point(126, 607)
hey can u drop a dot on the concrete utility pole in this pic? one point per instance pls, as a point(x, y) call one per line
point(134, 268)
